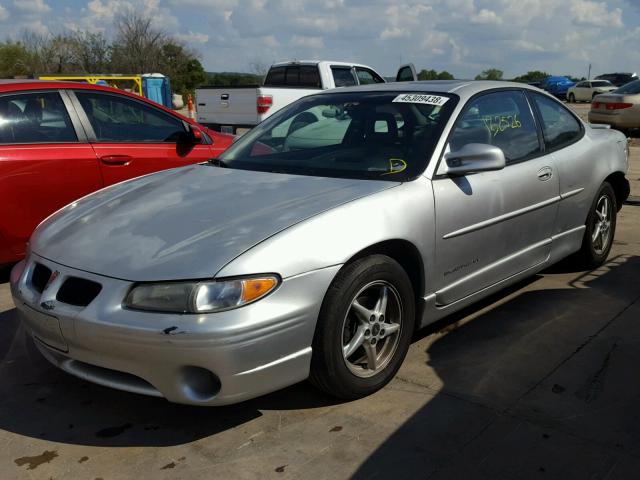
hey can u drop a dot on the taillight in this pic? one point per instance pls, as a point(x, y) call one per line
point(264, 103)
point(618, 106)
point(595, 105)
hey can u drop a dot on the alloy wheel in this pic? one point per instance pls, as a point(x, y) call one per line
point(601, 232)
point(371, 329)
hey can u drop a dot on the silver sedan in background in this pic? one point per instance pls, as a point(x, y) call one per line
point(320, 241)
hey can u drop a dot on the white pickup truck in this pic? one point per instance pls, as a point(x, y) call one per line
point(232, 109)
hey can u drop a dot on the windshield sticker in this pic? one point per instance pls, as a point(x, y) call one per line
point(499, 123)
point(421, 98)
point(396, 165)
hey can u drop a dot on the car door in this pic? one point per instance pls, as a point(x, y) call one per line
point(493, 225)
point(133, 138)
point(562, 132)
point(45, 163)
point(581, 90)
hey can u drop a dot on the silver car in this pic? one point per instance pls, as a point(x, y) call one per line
point(320, 241)
point(620, 108)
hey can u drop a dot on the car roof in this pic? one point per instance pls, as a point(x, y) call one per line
point(462, 88)
point(21, 85)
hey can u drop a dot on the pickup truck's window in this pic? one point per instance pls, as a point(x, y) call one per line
point(118, 119)
point(306, 76)
point(367, 77)
point(35, 118)
point(351, 135)
point(559, 127)
point(503, 119)
point(343, 76)
point(275, 77)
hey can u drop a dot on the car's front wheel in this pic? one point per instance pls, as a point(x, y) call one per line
point(571, 98)
point(600, 228)
point(364, 328)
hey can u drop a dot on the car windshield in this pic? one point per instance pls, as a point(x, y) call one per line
point(367, 135)
point(631, 88)
point(601, 83)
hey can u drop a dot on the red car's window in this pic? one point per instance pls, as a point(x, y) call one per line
point(118, 119)
point(35, 118)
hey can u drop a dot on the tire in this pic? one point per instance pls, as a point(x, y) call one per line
point(340, 325)
point(571, 98)
point(594, 251)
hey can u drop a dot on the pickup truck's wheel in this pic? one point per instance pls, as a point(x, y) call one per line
point(601, 228)
point(364, 328)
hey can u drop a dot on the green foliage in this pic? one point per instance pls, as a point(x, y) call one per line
point(15, 60)
point(490, 74)
point(233, 78)
point(433, 75)
point(531, 76)
point(138, 47)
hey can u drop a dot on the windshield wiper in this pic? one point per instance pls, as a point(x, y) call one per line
point(217, 162)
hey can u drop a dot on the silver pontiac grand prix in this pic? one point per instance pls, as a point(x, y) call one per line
point(320, 241)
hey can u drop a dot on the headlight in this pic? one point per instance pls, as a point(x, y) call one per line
point(199, 297)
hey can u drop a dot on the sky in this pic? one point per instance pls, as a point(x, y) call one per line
point(463, 37)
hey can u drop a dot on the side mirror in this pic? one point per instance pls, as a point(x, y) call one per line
point(195, 134)
point(474, 157)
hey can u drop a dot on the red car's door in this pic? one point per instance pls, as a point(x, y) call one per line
point(132, 137)
point(45, 163)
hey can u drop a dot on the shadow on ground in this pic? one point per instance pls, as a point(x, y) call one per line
point(488, 358)
point(538, 387)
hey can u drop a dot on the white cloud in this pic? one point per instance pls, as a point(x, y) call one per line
point(31, 6)
point(313, 43)
point(192, 37)
point(485, 16)
point(4, 14)
point(586, 12)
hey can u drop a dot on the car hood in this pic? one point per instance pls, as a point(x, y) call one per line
point(186, 223)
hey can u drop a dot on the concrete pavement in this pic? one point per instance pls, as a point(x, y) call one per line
point(539, 381)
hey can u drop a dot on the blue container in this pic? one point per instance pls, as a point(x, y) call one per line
point(157, 89)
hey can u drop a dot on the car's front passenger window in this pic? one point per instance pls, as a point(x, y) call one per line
point(118, 119)
point(502, 119)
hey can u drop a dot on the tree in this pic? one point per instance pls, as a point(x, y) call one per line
point(15, 60)
point(91, 51)
point(138, 44)
point(433, 75)
point(182, 67)
point(531, 76)
point(490, 74)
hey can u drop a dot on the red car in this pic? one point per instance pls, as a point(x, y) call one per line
point(60, 141)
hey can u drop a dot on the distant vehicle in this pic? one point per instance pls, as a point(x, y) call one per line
point(556, 85)
point(230, 108)
point(586, 90)
point(620, 108)
point(618, 79)
point(60, 141)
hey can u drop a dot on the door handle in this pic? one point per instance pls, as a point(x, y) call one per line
point(116, 160)
point(545, 173)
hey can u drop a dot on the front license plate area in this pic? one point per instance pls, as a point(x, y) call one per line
point(46, 328)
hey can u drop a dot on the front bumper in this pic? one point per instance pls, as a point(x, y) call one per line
point(200, 359)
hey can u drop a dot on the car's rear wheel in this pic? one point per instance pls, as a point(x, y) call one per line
point(600, 228)
point(364, 328)
point(571, 98)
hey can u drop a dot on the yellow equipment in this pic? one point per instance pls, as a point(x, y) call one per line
point(111, 80)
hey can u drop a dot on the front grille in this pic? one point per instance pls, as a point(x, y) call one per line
point(78, 291)
point(40, 277)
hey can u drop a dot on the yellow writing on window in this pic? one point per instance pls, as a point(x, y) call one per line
point(499, 123)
